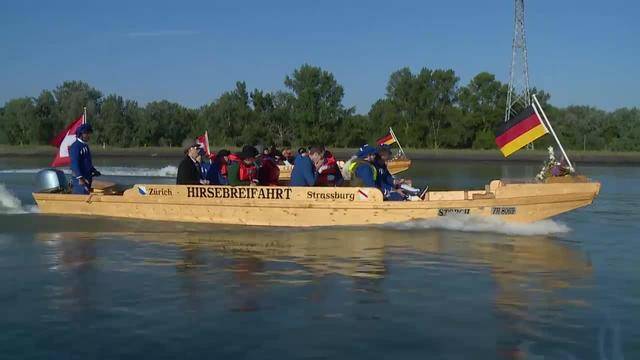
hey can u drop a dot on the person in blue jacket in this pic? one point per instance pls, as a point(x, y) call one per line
point(363, 172)
point(217, 174)
point(385, 181)
point(205, 166)
point(82, 168)
point(305, 169)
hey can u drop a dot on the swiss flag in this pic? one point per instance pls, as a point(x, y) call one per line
point(203, 141)
point(64, 139)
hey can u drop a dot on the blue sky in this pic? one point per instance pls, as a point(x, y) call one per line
point(582, 52)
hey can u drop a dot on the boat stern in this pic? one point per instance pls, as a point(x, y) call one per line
point(537, 201)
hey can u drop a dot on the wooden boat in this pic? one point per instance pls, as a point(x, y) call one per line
point(321, 206)
point(395, 166)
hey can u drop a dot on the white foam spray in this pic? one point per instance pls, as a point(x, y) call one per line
point(488, 224)
point(10, 204)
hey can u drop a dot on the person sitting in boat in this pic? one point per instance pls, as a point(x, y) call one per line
point(218, 171)
point(402, 186)
point(329, 172)
point(302, 151)
point(365, 174)
point(305, 171)
point(243, 171)
point(81, 163)
point(385, 181)
point(204, 166)
point(189, 168)
point(268, 172)
point(287, 156)
point(362, 171)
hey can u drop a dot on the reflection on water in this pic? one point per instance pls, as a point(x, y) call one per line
point(524, 279)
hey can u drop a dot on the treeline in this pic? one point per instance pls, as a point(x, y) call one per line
point(427, 109)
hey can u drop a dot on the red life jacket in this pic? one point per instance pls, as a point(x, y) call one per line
point(223, 167)
point(247, 172)
point(333, 169)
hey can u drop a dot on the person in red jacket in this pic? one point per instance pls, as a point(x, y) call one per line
point(329, 173)
point(244, 171)
point(268, 172)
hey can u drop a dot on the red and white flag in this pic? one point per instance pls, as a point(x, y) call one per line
point(65, 139)
point(203, 141)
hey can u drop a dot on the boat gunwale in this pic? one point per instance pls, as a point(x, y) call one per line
point(336, 205)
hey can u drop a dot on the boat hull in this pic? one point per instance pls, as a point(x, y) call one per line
point(314, 206)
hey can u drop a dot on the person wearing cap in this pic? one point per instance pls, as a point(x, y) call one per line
point(386, 182)
point(363, 172)
point(305, 172)
point(218, 171)
point(204, 165)
point(189, 169)
point(244, 171)
point(81, 164)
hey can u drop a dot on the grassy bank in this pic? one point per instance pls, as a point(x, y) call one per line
point(418, 154)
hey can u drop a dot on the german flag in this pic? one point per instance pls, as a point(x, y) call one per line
point(519, 131)
point(386, 140)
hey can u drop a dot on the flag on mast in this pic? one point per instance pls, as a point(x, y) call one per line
point(65, 139)
point(387, 139)
point(519, 131)
point(203, 141)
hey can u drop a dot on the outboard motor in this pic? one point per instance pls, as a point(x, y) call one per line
point(51, 181)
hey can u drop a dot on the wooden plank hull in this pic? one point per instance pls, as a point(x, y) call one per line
point(316, 206)
point(395, 167)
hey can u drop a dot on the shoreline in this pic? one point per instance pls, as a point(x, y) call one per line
point(593, 157)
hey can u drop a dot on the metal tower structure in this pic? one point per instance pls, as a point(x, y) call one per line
point(518, 96)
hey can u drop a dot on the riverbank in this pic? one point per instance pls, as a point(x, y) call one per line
point(605, 157)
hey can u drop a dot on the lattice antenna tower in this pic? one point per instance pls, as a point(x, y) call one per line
point(518, 96)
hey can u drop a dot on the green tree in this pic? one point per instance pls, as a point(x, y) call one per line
point(3, 135)
point(165, 123)
point(18, 121)
point(273, 113)
point(71, 98)
point(318, 109)
point(116, 121)
point(46, 117)
point(483, 102)
point(424, 106)
point(228, 116)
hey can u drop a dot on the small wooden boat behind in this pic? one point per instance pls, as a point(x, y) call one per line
point(395, 166)
point(321, 206)
point(399, 165)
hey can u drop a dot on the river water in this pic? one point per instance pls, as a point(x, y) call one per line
point(84, 288)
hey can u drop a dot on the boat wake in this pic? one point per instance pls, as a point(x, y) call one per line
point(10, 204)
point(167, 171)
point(478, 224)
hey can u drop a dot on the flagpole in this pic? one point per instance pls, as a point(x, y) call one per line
point(549, 127)
point(206, 138)
point(398, 142)
point(84, 115)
